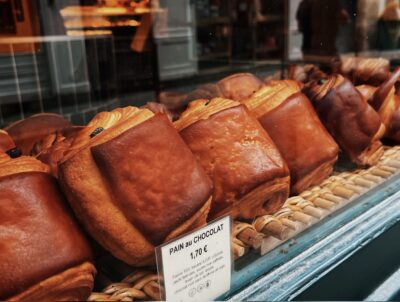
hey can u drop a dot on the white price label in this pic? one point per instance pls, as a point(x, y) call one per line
point(198, 266)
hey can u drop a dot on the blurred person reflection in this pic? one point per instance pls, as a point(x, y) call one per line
point(368, 13)
point(389, 26)
point(242, 20)
point(319, 22)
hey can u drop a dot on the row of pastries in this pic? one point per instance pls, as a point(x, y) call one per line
point(132, 179)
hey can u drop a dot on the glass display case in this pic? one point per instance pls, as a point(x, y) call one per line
point(138, 121)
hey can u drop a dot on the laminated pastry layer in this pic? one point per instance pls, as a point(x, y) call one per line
point(93, 193)
point(6, 142)
point(236, 87)
point(394, 128)
point(385, 101)
point(22, 164)
point(38, 237)
point(52, 148)
point(27, 132)
point(372, 71)
point(354, 124)
point(302, 140)
point(153, 176)
point(73, 284)
point(235, 151)
point(270, 96)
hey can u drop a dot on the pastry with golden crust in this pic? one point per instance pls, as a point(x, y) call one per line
point(305, 73)
point(383, 99)
point(27, 132)
point(6, 142)
point(44, 255)
point(133, 183)
point(352, 122)
point(249, 175)
point(51, 149)
point(206, 91)
point(291, 121)
point(371, 71)
point(239, 86)
point(236, 87)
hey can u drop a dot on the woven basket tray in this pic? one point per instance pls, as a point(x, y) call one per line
point(267, 232)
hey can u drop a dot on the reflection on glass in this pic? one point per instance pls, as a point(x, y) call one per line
point(80, 57)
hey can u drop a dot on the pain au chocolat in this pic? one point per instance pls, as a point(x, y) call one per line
point(51, 149)
point(239, 86)
point(27, 132)
point(371, 71)
point(291, 121)
point(44, 256)
point(236, 87)
point(352, 122)
point(383, 99)
point(249, 175)
point(133, 183)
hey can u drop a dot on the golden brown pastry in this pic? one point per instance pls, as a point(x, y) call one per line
point(305, 73)
point(236, 87)
point(174, 101)
point(159, 108)
point(51, 149)
point(289, 118)
point(6, 142)
point(250, 177)
point(372, 71)
point(394, 128)
point(352, 122)
point(133, 183)
point(27, 132)
point(239, 86)
point(383, 98)
point(206, 91)
point(44, 256)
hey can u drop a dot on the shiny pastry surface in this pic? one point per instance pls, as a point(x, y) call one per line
point(291, 121)
point(39, 237)
point(235, 151)
point(6, 142)
point(27, 132)
point(372, 71)
point(353, 123)
point(133, 182)
point(239, 86)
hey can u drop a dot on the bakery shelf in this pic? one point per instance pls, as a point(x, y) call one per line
point(292, 267)
point(300, 261)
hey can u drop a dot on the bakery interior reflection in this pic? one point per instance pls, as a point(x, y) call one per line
point(77, 58)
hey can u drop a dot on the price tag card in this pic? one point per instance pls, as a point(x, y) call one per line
point(197, 266)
